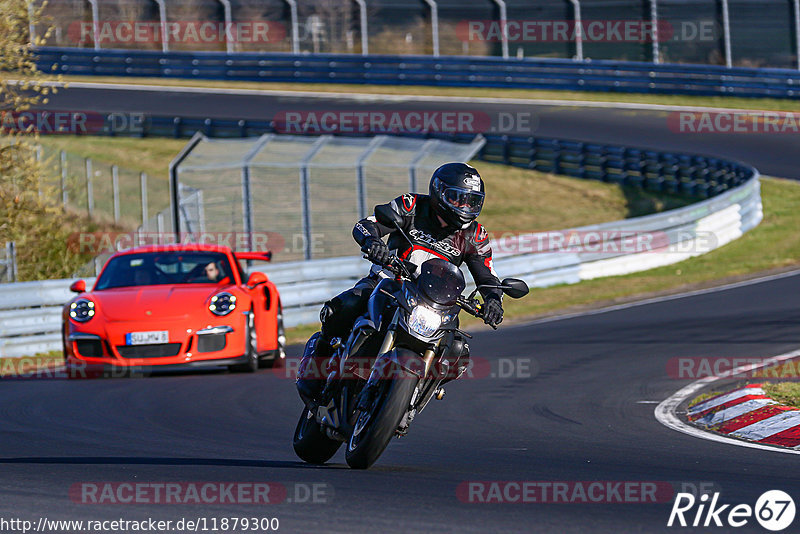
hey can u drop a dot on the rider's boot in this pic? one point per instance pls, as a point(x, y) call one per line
point(336, 317)
point(311, 373)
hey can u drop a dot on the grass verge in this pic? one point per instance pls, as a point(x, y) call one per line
point(151, 155)
point(787, 393)
point(131, 155)
point(768, 104)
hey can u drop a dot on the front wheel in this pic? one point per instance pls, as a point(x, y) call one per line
point(251, 347)
point(310, 442)
point(279, 355)
point(376, 426)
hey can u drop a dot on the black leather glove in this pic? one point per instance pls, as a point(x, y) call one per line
point(492, 311)
point(376, 251)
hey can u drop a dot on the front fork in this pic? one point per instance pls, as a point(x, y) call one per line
point(335, 410)
point(367, 395)
point(370, 390)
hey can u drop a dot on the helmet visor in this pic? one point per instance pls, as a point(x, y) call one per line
point(463, 201)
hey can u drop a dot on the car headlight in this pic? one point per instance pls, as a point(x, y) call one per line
point(424, 321)
point(222, 303)
point(82, 310)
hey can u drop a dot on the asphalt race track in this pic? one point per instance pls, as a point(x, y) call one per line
point(585, 413)
point(577, 406)
point(773, 154)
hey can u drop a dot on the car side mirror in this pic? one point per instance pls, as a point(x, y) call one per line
point(387, 216)
point(79, 286)
point(256, 279)
point(515, 288)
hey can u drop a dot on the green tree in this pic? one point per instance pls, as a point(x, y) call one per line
point(28, 214)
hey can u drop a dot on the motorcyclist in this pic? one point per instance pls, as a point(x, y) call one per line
point(441, 224)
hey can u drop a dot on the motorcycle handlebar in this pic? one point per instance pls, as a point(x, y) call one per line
point(396, 266)
point(400, 267)
point(470, 306)
point(474, 308)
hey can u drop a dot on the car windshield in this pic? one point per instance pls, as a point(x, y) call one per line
point(159, 268)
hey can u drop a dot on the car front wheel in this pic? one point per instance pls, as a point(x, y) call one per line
point(251, 349)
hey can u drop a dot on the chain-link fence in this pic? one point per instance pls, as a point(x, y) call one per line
point(106, 192)
point(132, 206)
point(762, 33)
point(299, 196)
point(8, 262)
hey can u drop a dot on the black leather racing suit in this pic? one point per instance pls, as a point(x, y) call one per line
point(430, 240)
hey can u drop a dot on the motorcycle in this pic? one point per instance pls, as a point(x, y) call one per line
point(394, 361)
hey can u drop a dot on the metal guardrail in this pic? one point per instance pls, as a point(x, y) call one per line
point(594, 75)
point(30, 318)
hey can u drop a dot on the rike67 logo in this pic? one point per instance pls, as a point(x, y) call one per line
point(774, 510)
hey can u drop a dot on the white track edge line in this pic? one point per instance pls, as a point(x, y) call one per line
point(665, 412)
point(367, 97)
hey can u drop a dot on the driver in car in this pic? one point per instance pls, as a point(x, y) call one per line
point(442, 225)
point(212, 272)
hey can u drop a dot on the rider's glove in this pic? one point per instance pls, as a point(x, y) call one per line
point(492, 311)
point(376, 251)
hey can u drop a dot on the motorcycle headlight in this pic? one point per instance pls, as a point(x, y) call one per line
point(82, 310)
point(222, 303)
point(424, 321)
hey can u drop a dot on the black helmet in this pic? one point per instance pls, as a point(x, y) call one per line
point(457, 193)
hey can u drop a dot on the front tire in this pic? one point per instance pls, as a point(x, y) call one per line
point(278, 355)
point(310, 442)
point(375, 427)
point(251, 351)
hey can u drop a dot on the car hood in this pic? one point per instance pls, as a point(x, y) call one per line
point(154, 302)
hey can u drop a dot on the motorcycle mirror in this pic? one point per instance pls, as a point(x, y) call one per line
point(515, 288)
point(387, 216)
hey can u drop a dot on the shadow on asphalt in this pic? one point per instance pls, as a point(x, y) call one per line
point(132, 460)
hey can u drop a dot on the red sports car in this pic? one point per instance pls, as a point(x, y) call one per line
point(175, 305)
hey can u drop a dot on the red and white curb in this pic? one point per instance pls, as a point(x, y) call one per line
point(746, 413)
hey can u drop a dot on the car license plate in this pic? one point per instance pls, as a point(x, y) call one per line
point(147, 338)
